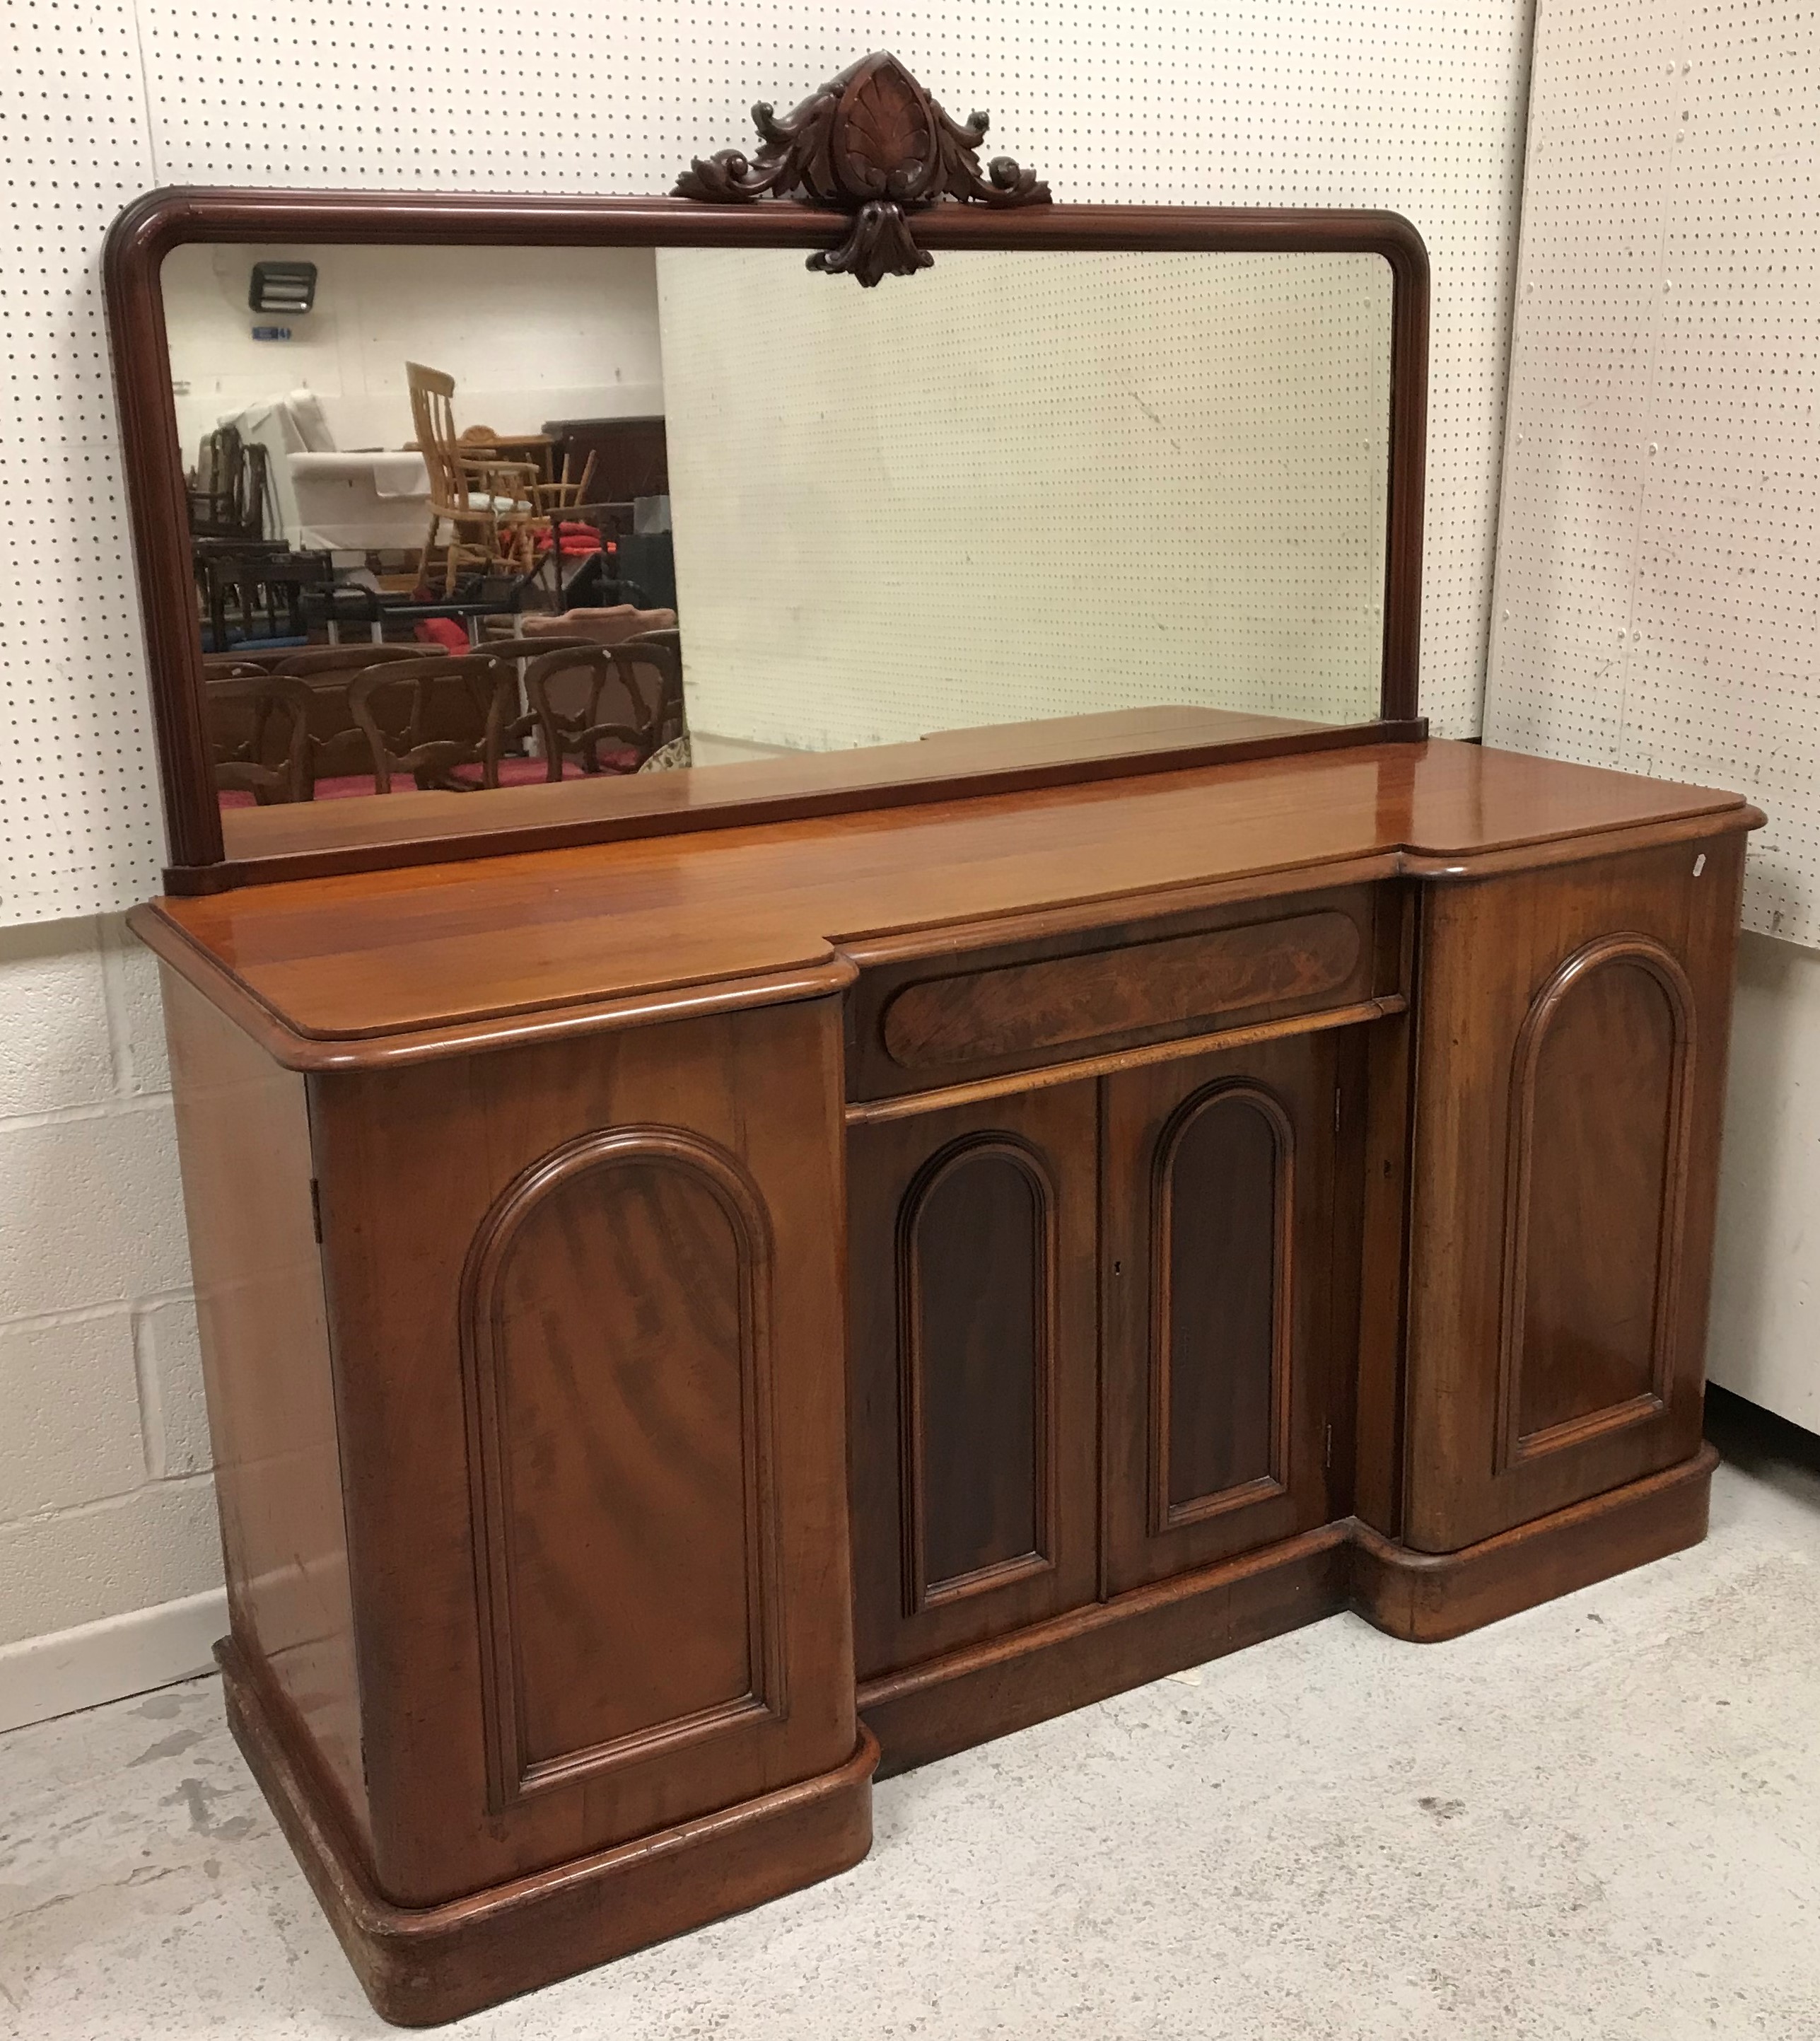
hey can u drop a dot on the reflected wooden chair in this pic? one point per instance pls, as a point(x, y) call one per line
point(659, 654)
point(259, 737)
point(235, 665)
point(347, 659)
point(402, 709)
point(326, 670)
point(478, 497)
point(552, 502)
point(568, 690)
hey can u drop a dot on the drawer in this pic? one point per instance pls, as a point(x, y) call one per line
point(945, 1019)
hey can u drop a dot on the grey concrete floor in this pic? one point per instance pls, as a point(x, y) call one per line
point(1601, 1819)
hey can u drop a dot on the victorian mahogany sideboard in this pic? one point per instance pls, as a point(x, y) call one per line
point(683, 1318)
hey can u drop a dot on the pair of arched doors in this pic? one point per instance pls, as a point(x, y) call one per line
point(1093, 1336)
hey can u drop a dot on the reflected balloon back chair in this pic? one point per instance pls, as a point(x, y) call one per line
point(405, 711)
point(259, 737)
point(656, 656)
point(588, 706)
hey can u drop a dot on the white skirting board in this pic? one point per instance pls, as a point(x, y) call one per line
point(42, 1676)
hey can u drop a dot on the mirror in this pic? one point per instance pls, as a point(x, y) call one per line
point(472, 524)
point(1035, 485)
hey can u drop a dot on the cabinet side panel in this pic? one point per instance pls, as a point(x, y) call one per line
point(243, 1134)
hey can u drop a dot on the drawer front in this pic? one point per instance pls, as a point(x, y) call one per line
point(944, 1020)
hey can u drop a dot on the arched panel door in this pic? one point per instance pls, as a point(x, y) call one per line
point(618, 1334)
point(1220, 1288)
point(972, 1397)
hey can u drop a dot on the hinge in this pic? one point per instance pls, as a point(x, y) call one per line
point(1337, 1095)
point(1329, 1461)
point(316, 1210)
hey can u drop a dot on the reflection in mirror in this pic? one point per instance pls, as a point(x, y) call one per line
point(480, 517)
point(1034, 484)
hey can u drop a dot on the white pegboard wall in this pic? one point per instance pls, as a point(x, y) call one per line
point(1025, 486)
point(1413, 105)
point(1659, 581)
point(80, 830)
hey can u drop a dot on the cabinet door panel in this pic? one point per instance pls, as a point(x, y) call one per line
point(1569, 1085)
point(1225, 1178)
point(587, 1313)
point(972, 1396)
point(1219, 1231)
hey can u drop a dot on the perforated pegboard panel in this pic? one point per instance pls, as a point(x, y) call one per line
point(1023, 486)
point(78, 792)
point(1414, 105)
point(1658, 574)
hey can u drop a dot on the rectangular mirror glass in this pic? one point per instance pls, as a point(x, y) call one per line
point(761, 518)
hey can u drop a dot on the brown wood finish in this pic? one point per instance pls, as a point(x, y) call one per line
point(368, 956)
point(1010, 1015)
point(146, 232)
point(972, 1371)
point(1427, 1597)
point(422, 1966)
point(243, 1140)
point(1019, 758)
point(1218, 1290)
point(1600, 1090)
point(485, 1762)
point(1020, 1676)
point(1574, 1034)
point(564, 1398)
point(873, 144)
point(1029, 1676)
point(1306, 1202)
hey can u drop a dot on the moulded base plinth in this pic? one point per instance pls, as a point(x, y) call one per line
point(422, 1966)
point(987, 1690)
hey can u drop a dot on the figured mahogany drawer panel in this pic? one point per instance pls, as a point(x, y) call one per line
point(932, 1024)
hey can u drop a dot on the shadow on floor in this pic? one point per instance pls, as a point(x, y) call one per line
point(1756, 1439)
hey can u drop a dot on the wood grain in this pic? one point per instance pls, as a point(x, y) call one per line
point(1602, 1084)
point(1217, 1367)
point(1027, 1675)
point(1426, 1598)
point(619, 1297)
point(972, 1371)
point(1489, 953)
point(421, 1967)
point(634, 1377)
point(243, 1139)
point(1025, 1012)
point(366, 957)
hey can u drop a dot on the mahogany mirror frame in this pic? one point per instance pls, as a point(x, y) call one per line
point(433, 830)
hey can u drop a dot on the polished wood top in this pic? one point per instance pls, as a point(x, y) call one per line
point(929, 768)
point(432, 958)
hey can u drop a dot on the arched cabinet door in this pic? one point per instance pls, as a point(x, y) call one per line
point(971, 1384)
point(1569, 1087)
point(1222, 1300)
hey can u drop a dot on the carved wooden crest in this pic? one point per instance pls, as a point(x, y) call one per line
point(873, 144)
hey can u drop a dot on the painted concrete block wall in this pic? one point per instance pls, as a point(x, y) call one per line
point(1766, 1280)
point(107, 1506)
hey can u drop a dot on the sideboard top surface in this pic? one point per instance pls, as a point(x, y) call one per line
point(448, 955)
